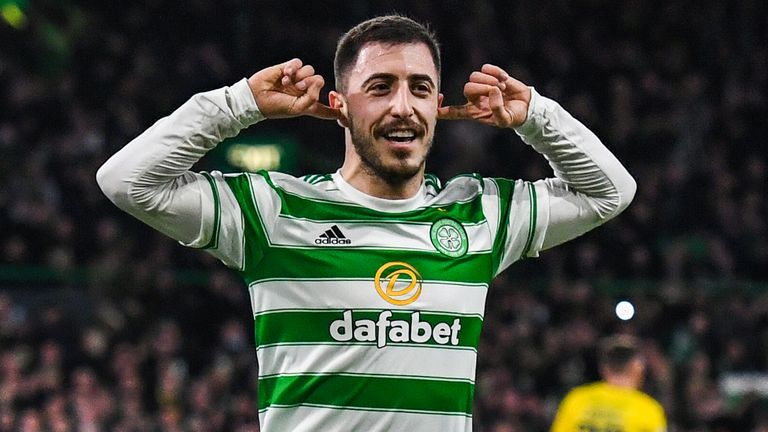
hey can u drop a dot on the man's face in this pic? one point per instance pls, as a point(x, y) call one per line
point(392, 100)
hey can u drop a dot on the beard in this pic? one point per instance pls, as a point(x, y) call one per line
point(393, 174)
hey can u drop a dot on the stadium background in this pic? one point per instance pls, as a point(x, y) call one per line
point(107, 325)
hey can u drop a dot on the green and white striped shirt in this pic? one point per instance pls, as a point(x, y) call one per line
point(367, 312)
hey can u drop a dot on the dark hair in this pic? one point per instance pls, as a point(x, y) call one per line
point(616, 352)
point(388, 29)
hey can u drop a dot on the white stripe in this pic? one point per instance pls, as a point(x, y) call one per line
point(313, 419)
point(433, 362)
point(405, 236)
point(491, 207)
point(362, 294)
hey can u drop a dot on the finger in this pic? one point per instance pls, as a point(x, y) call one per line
point(304, 72)
point(291, 65)
point(301, 77)
point(512, 85)
point(484, 78)
point(288, 69)
point(496, 102)
point(495, 71)
point(324, 112)
point(453, 112)
point(473, 90)
point(314, 84)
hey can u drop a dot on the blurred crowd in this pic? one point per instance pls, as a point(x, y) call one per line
point(131, 332)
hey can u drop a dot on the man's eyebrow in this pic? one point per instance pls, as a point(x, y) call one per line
point(388, 77)
point(422, 77)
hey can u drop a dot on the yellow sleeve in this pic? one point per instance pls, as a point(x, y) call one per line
point(565, 418)
point(660, 419)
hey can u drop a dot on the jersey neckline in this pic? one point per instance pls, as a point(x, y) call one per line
point(381, 204)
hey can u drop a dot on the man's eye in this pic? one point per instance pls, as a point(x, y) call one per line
point(421, 89)
point(379, 88)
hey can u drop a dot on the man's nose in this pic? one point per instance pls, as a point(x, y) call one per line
point(401, 103)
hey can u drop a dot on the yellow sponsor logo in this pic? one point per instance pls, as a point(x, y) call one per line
point(398, 292)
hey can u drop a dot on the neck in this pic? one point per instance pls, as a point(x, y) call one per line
point(364, 179)
point(622, 381)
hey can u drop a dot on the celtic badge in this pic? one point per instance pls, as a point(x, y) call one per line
point(449, 237)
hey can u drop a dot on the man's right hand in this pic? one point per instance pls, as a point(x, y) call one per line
point(290, 89)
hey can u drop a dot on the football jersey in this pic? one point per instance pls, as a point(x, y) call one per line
point(602, 407)
point(369, 318)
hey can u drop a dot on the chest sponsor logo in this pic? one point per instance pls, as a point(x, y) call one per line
point(449, 237)
point(398, 283)
point(384, 330)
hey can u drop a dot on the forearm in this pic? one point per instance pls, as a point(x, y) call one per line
point(590, 184)
point(150, 178)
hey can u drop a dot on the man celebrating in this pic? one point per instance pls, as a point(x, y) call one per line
point(368, 284)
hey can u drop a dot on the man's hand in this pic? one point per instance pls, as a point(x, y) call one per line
point(493, 98)
point(290, 89)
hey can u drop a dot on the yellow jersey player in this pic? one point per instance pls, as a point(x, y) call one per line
point(614, 404)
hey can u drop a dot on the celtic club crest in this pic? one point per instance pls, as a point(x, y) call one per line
point(449, 237)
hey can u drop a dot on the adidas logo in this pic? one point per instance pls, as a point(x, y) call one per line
point(333, 236)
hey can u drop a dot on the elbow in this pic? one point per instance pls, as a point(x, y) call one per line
point(628, 193)
point(112, 185)
point(625, 193)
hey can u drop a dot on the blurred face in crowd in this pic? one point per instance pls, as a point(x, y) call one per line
point(390, 105)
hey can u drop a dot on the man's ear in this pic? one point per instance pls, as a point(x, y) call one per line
point(440, 98)
point(337, 101)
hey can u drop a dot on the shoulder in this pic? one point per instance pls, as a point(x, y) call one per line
point(586, 389)
point(283, 182)
point(461, 187)
point(652, 410)
point(649, 402)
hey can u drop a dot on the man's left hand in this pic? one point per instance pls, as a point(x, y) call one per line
point(493, 98)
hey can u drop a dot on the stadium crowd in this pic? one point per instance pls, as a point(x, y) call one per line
point(131, 332)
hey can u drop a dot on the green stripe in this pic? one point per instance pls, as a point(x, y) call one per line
point(368, 392)
point(253, 228)
point(322, 178)
point(313, 327)
point(532, 226)
point(345, 263)
point(321, 210)
point(506, 191)
point(213, 243)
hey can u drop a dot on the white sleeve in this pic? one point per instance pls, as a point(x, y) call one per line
point(590, 185)
point(150, 177)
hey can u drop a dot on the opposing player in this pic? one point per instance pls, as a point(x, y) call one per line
point(368, 284)
point(615, 404)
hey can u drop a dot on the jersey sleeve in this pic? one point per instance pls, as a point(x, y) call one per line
point(151, 178)
point(589, 187)
point(656, 417)
point(566, 416)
